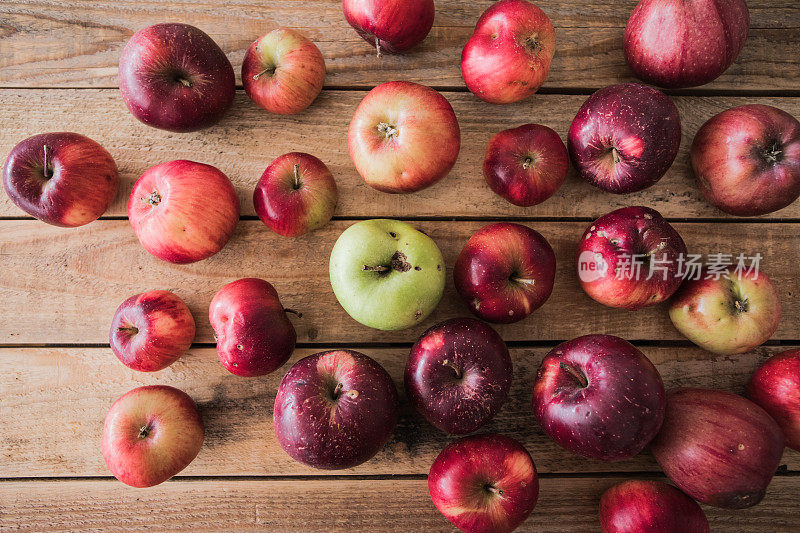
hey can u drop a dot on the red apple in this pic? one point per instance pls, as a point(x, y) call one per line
point(484, 484)
point(674, 43)
point(283, 72)
point(150, 331)
point(505, 272)
point(775, 386)
point(404, 137)
point(175, 77)
point(150, 434)
point(64, 179)
point(508, 56)
point(390, 25)
point(641, 506)
point(183, 211)
point(295, 195)
point(747, 160)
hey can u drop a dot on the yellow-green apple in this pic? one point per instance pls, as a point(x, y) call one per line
point(150, 434)
point(775, 386)
point(64, 179)
point(387, 274)
point(390, 25)
point(183, 211)
point(645, 506)
point(403, 137)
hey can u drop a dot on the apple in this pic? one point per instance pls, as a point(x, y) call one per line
point(484, 483)
point(729, 315)
point(64, 179)
point(505, 272)
point(387, 274)
point(390, 25)
point(526, 165)
point(150, 434)
point(183, 211)
point(283, 72)
point(295, 195)
point(151, 330)
point(644, 506)
point(625, 137)
point(775, 386)
point(458, 375)
point(717, 447)
point(254, 336)
point(600, 397)
point(403, 137)
point(674, 43)
point(630, 258)
point(747, 160)
point(335, 409)
point(508, 56)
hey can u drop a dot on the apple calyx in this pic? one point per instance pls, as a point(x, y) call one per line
point(389, 131)
point(47, 169)
point(773, 154)
point(579, 376)
point(532, 42)
point(154, 198)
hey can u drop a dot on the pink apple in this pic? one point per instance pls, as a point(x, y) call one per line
point(775, 386)
point(643, 506)
point(390, 25)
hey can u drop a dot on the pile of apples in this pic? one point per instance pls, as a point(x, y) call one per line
point(597, 395)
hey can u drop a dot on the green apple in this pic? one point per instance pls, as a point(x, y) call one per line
point(387, 274)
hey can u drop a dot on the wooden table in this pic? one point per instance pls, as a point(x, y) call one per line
point(59, 288)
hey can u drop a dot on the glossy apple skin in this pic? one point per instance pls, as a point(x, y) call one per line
point(617, 237)
point(176, 78)
point(397, 25)
point(643, 506)
point(183, 211)
point(729, 315)
point(283, 72)
point(775, 386)
point(403, 137)
point(526, 165)
point(335, 409)
point(484, 484)
point(625, 137)
point(717, 447)
point(150, 434)
point(254, 336)
point(293, 204)
point(600, 397)
point(747, 160)
point(458, 375)
point(508, 56)
point(78, 185)
point(505, 272)
point(674, 43)
point(151, 330)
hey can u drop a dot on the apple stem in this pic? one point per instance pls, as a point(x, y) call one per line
point(579, 377)
point(447, 362)
point(741, 306)
point(185, 82)
point(144, 431)
point(337, 391)
point(379, 268)
point(47, 170)
point(527, 163)
point(378, 46)
point(615, 155)
point(269, 70)
point(133, 330)
point(298, 314)
point(526, 281)
point(296, 177)
point(494, 490)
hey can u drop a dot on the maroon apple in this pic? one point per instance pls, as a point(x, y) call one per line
point(390, 25)
point(484, 484)
point(600, 397)
point(643, 506)
point(775, 386)
point(64, 179)
point(505, 272)
point(625, 137)
point(175, 77)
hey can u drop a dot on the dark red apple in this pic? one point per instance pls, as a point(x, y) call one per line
point(775, 386)
point(390, 25)
point(643, 506)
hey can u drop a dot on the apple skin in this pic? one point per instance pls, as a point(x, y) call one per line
point(508, 56)
point(254, 336)
point(675, 44)
point(151, 330)
point(526, 165)
point(458, 375)
point(183, 211)
point(176, 78)
point(484, 483)
point(775, 386)
point(747, 160)
point(729, 315)
point(335, 409)
point(403, 137)
point(643, 506)
point(600, 397)
point(616, 237)
point(387, 274)
point(69, 183)
point(390, 25)
point(283, 72)
point(717, 447)
point(505, 272)
point(150, 434)
point(625, 137)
